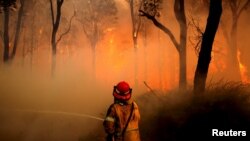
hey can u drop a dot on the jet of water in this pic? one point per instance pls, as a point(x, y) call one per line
point(57, 112)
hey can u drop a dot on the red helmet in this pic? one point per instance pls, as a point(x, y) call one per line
point(122, 91)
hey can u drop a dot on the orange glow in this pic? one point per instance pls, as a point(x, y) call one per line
point(243, 69)
point(41, 31)
point(116, 61)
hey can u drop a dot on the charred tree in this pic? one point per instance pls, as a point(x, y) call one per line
point(145, 48)
point(18, 28)
point(6, 6)
point(136, 20)
point(136, 25)
point(97, 18)
point(204, 59)
point(236, 7)
point(179, 10)
point(55, 26)
point(6, 34)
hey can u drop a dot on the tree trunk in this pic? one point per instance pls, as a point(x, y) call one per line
point(182, 71)
point(23, 48)
point(160, 54)
point(55, 25)
point(204, 59)
point(236, 7)
point(93, 42)
point(179, 10)
point(32, 45)
point(6, 35)
point(18, 28)
point(53, 61)
point(234, 70)
point(145, 51)
point(93, 49)
point(134, 35)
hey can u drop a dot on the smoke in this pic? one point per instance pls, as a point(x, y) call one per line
point(35, 106)
point(51, 108)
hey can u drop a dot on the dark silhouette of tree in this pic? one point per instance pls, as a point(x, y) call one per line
point(97, 18)
point(33, 43)
point(150, 10)
point(204, 59)
point(236, 8)
point(134, 6)
point(6, 6)
point(145, 44)
point(30, 29)
point(18, 28)
point(55, 26)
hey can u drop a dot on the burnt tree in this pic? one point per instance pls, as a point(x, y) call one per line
point(18, 28)
point(97, 18)
point(204, 59)
point(236, 8)
point(55, 26)
point(134, 6)
point(179, 10)
point(6, 5)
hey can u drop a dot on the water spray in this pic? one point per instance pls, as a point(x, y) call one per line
point(57, 112)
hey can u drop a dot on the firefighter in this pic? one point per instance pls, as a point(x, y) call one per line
point(122, 119)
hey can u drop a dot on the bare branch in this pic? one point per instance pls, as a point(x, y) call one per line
point(198, 34)
point(232, 5)
point(84, 28)
point(244, 7)
point(225, 31)
point(162, 27)
point(237, 4)
point(145, 83)
point(67, 31)
point(196, 26)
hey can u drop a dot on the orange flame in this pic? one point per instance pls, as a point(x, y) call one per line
point(243, 69)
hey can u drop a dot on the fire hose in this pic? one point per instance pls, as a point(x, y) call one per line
point(57, 112)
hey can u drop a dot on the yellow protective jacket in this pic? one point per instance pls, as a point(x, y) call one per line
point(116, 119)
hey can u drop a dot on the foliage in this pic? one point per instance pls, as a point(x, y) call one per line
point(8, 4)
point(152, 7)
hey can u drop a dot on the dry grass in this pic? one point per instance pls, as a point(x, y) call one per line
point(183, 116)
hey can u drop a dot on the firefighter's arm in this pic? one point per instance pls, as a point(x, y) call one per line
point(109, 121)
